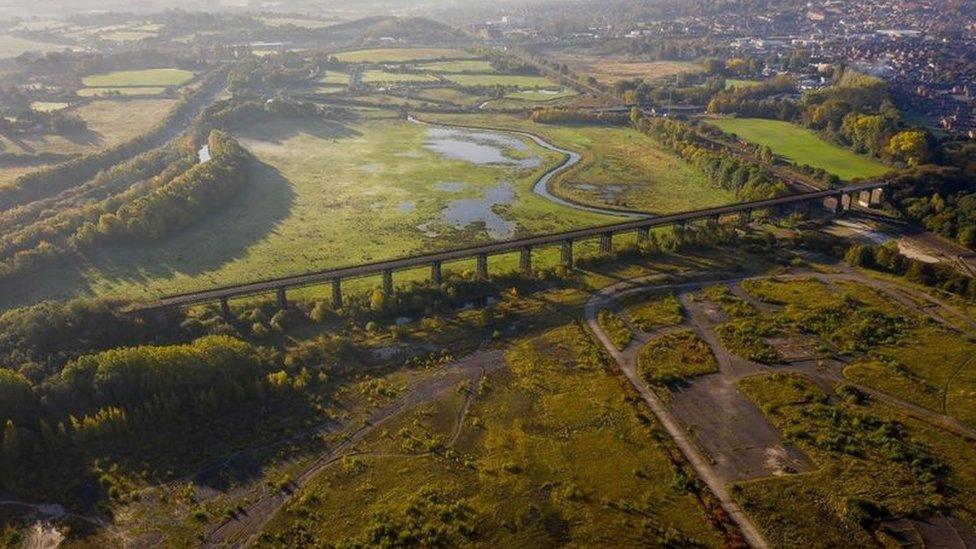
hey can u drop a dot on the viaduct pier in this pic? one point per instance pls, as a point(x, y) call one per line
point(834, 201)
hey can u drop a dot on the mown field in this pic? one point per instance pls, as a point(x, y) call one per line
point(542, 95)
point(399, 55)
point(550, 453)
point(109, 123)
point(515, 80)
point(620, 167)
point(609, 69)
point(326, 195)
point(12, 46)
point(469, 65)
point(139, 78)
point(802, 146)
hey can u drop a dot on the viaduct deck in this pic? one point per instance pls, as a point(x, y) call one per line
point(842, 198)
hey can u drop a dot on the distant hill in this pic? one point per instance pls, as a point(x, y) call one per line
point(371, 31)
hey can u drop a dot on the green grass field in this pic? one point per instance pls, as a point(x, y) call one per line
point(466, 65)
point(133, 91)
point(552, 447)
point(48, 106)
point(542, 95)
point(514, 80)
point(620, 167)
point(138, 78)
point(326, 195)
point(376, 77)
point(802, 146)
point(299, 22)
point(731, 83)
point(400, 55)
point(109, 123)
point(675, 356)
point(12, 46)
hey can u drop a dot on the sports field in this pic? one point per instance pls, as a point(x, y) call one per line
point(399, 55)
point(139, 78)
point(803, 146)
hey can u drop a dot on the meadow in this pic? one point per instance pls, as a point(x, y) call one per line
point(139, 78)
point(609, 69)
point(12, 46)
point(400, 55)
point(466, 65)
point(376, 77)
point(514, 80)
point(542, 95)
point(300, 22)
point(731, 83)
point(620, 167)
point(125, 91)
point(802, 146)
point(325, 195)
point(551, 452)
point(109, 123)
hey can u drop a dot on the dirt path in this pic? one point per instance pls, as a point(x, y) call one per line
point(238, 531)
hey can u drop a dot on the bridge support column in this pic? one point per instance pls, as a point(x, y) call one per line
point(864, 198)
point(846, 201)
point(745, 217)
point(435, 273)
point(525, 261)
point(567, 253)
point(832, 204)
point(606, 243)
point(877, 195)
point(482, 269)
point(712, 221)
point(643, 235)
point(282, 298)
point(336, 294)
point(388, 282)
point(225, 308)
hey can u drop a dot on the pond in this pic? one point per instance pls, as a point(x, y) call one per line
point(481, 147)
point(466, 211)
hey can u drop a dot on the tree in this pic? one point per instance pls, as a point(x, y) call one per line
point(910, 146)
point(11, 442)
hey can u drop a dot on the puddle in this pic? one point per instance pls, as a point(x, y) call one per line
point(479, 147)
point(371, 168)
point(407, 207)
point(461, 213)
point(609, 193)
point(450, 186)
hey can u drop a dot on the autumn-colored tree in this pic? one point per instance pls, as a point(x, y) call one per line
point(910, 146)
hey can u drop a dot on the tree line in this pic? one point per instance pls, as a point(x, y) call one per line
point(748, 180)
point(178, 204)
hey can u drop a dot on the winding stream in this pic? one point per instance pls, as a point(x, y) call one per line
point(541, 186)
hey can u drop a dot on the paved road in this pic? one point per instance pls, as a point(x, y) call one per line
point(705, 471)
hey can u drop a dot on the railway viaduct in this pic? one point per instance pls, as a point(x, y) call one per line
point(833, 201)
